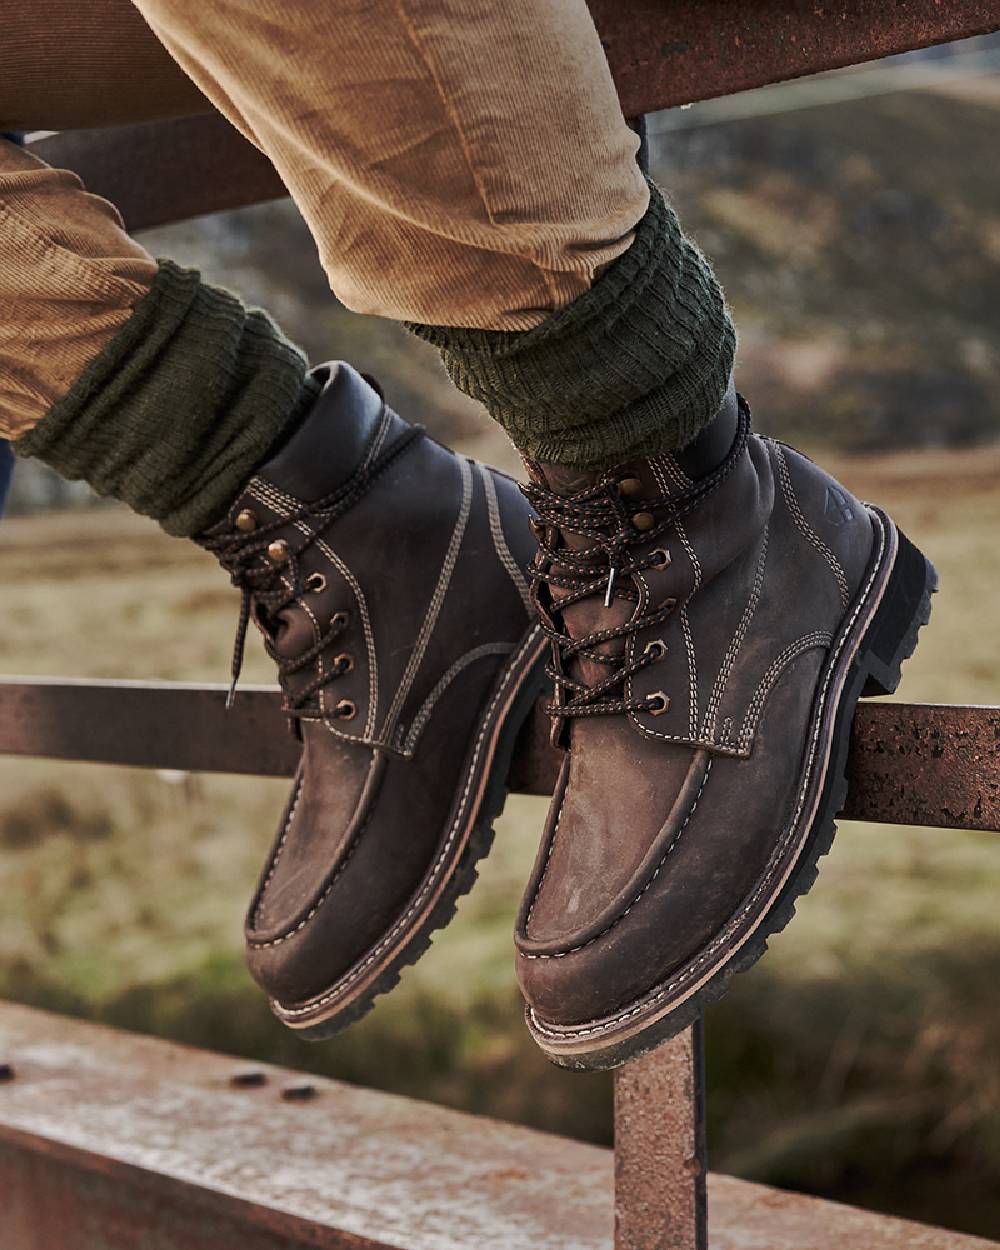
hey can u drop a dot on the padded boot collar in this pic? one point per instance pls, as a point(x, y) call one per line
point(345, 417)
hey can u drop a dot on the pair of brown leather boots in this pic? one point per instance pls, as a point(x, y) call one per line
point(708, 621)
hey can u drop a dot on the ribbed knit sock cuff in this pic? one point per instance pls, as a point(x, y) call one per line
point(638, 364)
point(188, 399)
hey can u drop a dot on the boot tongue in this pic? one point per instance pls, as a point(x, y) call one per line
point(562, 480)
point(331, 443)
point(589, 615)
point(291, 632)
point(639, 480)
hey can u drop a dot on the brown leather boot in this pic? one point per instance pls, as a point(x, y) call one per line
point(715, 618)
point(385, 574)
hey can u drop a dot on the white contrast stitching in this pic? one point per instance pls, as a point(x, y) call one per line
point(430, 882)
point(819, 638)
point(692, 671)
point(692, 969)
point(320, 662)
point(375, 446)
point(500, 540)
point(618, 919)
point(548, 855)
point(803, 526)
point(477, 653)
point(259, 945)
point(419, 649)
point(729, 660)
point(292, 809)
point(691, 555)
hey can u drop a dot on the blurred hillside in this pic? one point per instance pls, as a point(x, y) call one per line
point(859, 244)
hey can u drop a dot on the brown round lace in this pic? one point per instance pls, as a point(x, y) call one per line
point(606, 565)
point(267, 586)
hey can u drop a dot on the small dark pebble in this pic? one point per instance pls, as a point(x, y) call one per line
point(6, 1072)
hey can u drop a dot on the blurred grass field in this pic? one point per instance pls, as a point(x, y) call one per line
point(858, 1060)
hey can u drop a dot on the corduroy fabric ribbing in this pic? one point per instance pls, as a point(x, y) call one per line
point(66, 65)
point(191, 396)
point(637, 365)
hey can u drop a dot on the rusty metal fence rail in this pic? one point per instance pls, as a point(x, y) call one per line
point(662, 53)
point(909, 764)
point(114, 1142)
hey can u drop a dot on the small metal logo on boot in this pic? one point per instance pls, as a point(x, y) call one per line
point(838, 507)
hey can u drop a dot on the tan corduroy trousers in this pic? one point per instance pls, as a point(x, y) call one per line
point(459, 162)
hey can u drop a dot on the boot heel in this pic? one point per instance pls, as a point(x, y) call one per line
point(906, 606)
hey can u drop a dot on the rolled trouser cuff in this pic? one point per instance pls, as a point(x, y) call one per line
point(636, 365)
point(175, 414)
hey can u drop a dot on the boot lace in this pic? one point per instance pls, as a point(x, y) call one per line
point(268, 585)
point(612, 554)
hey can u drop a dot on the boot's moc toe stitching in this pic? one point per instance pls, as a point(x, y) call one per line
point(385, 575)
point(714, 618)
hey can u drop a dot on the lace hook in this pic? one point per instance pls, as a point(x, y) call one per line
point(612, 578)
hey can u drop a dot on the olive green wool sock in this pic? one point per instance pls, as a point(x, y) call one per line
point(634, 366)
point(188, 399)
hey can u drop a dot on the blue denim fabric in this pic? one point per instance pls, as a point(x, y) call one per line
point(6, 471)
point(6, 455)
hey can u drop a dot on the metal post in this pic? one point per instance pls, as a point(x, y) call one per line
point(660, 1161)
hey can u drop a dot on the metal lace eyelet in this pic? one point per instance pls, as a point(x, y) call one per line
point(316, 582)
point(655, 650)
point(279, 551)
point(346, 709)
point(339, 620)
point(643, 521)
point(344, 662)
point(630, 487)
point(657, 703)
point(246, 521)
point(660, 557)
